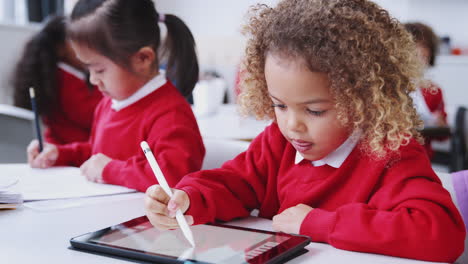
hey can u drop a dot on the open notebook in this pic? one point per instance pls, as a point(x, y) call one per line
point(56, 183)
point(10, 197)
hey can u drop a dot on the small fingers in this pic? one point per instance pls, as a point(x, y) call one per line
point(189, 219)
point(162, 222)
point(41, 161)
point(274, 224)
point(154, 206)
point(46, 158)
point(84, 170)
point(32, 151)
point(180, 201)
point(157, 193)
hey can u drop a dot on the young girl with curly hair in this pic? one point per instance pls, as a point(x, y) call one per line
point(341, 162)
point(119, 42)
point(65, 100)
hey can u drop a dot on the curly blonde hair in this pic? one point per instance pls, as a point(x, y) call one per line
point(369, 58)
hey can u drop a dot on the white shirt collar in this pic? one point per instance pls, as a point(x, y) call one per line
point(338, 156)
point(151, 86)
point(72, 70)
point(428, 118)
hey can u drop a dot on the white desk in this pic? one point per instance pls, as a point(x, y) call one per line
point(32, 236)
point(227, 123)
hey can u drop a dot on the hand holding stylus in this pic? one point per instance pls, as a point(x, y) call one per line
point(173, 205)
point(160, 208)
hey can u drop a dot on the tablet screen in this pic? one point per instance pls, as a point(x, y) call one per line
point(214, 243)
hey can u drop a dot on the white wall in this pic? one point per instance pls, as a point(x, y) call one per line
point(446, 17)
point(216, 26)
point(13, 39)
point(451, 73)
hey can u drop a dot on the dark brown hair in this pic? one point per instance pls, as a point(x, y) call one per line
point(119, 28)
point(369, 58)
point(424, 35)
point(37, 67)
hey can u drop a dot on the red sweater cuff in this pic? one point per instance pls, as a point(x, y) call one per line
point(195, 209)
point(111, 174)
point(65, 154)
point(318, 224)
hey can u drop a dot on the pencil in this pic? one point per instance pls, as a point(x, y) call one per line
point(36, 117)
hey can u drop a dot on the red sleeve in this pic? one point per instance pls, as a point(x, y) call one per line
point(73, 154)
point(410, 215)
point(435, 102)
point(177, 146)
point(72, 119)
point(434, 99)
point(77, 100)
point(76, 153)
point(237, 187)
point(49, 136)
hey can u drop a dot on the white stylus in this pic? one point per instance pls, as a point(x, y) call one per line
point(163, 183)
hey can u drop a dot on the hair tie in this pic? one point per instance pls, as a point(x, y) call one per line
point(162, 18)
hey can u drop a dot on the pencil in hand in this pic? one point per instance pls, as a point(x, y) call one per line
point(36, 117)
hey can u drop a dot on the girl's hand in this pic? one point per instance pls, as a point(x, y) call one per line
point(290, 220)
point(440, 120)
point(44, 159)
point(93, 167)
point(161, 210)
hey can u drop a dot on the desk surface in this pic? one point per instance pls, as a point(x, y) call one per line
point(42, 236)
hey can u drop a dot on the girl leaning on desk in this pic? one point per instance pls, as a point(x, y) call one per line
point(342, 161)
point(119, 42)
point(64, 98)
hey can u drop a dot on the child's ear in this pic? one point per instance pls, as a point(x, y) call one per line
point(143, 60)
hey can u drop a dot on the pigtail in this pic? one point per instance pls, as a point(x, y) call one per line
point(179, 52)
point(119, 28)
point(37, 68)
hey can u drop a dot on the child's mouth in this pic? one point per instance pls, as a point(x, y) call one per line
point(301, 146)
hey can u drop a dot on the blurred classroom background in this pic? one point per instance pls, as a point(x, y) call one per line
point(216, 26)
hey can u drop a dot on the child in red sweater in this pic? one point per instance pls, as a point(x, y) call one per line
point(119, 41)
point(428, 98)
point(341, 162)
point(65, 100)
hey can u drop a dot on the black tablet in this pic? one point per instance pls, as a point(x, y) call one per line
point(215, 243)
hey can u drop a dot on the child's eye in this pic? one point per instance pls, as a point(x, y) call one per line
point(316, 113)
point(95, 71)
point(280, 106)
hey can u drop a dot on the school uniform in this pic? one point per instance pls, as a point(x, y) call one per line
point(156, 113)
point(394, 206)
point(72, 119)
point(428, 100)
point(434, 100)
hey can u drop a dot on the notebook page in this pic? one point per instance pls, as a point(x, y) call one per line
point(57, 183)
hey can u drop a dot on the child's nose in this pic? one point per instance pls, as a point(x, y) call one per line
point(294, 123)
point(93, 80)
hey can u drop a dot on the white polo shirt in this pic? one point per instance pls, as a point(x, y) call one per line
point(338, 156)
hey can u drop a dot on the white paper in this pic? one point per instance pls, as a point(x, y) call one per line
point(7, 181)
point(57, 183)
point(59, 204)
point(9, 193)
